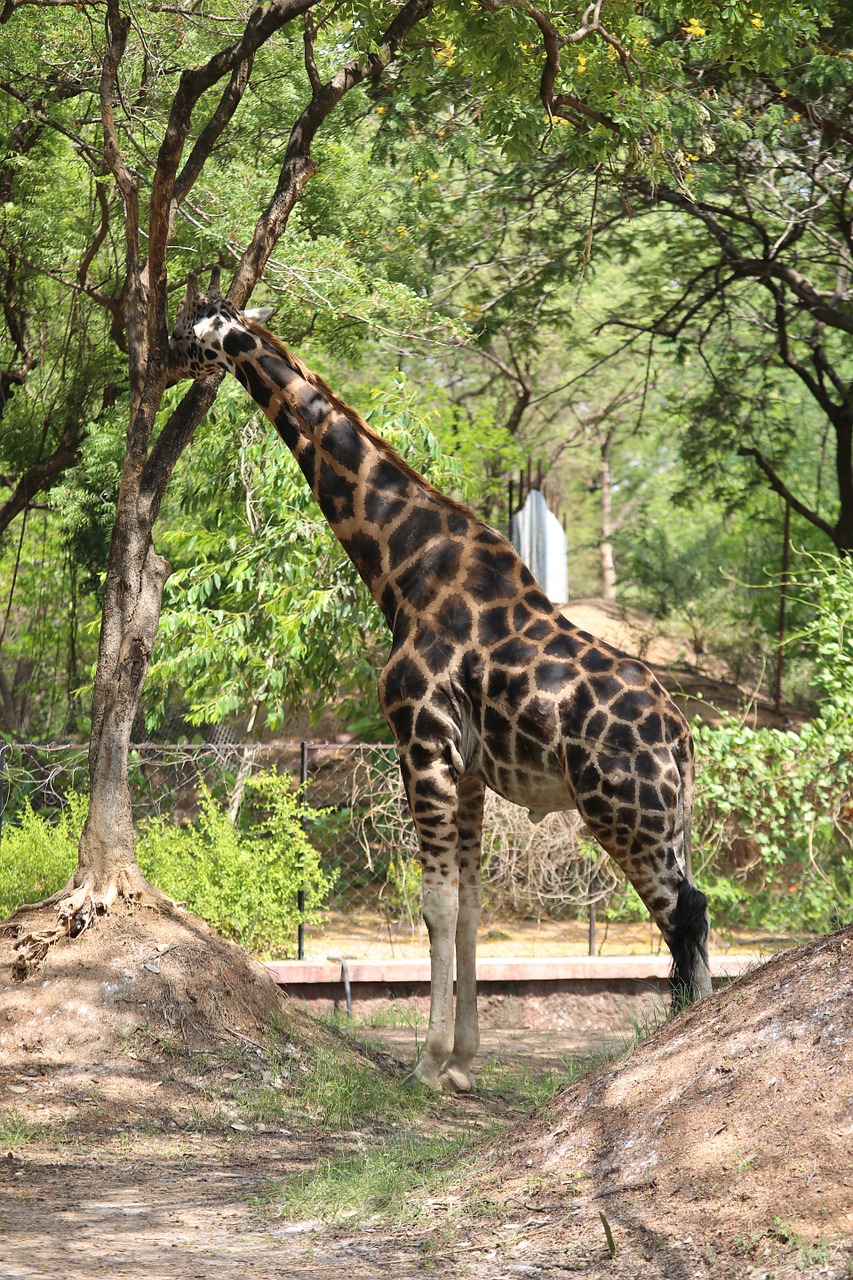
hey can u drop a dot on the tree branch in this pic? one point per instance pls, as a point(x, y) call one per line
point(210, 134)
point(296, 171)
point(135, 295)
point(764, 269)
point(298, 168)
point(236, 60)
point(41, 475)
point(779, 486)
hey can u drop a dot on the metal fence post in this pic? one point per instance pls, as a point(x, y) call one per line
point(300, 896)
point(593, 889)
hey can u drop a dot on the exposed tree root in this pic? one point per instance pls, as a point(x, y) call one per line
point(78, 905)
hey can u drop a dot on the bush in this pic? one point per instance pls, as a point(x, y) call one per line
point(38, 856)
point(244, 881)
point(774, 814)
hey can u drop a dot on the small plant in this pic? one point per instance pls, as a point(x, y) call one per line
point(807, 1253)
point(16, 1129)
point(608, 1234)
point(245, 881)
point(744, 1163)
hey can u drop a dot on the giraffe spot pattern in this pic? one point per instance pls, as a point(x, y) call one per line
point(413, 535)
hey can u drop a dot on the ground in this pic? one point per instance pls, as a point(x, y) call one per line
point(148, 1114)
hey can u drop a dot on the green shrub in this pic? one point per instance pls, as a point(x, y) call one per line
point(774, 809)
point(37, 855)
point(242, 880)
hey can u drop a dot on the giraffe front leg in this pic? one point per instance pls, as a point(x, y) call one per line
point(466, 1038)
point(440, 911)
point(432, 791)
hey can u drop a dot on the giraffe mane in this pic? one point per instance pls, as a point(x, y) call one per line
point(355, 418)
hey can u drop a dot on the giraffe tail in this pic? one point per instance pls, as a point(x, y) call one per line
point(690, 976)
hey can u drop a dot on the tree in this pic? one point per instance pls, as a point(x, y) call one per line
point(760, 225)
point(148, 163)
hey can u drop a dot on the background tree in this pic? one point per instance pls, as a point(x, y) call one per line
point(760, 303)
point(592, 86)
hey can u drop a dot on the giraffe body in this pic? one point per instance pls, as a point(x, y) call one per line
point(486, 685)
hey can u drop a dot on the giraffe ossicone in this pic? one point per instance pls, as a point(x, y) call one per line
point(486, 684)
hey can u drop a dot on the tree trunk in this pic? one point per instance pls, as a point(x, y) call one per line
point(605, 550)
point(107, 867)
point(133, 596)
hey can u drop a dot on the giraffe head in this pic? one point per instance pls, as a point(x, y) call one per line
point(203, 322)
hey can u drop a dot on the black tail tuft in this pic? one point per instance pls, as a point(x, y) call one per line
point(688, 943)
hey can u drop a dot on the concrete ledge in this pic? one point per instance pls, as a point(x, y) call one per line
point(306, 973)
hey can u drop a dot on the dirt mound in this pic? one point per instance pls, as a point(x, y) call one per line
point(168, 972)
point(145, 1070)
point(722, 1146)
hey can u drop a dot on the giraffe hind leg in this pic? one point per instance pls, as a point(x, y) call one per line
point(690, 975)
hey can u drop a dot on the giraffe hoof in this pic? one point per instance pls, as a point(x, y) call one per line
point(414, 1081)
point(455, 1080)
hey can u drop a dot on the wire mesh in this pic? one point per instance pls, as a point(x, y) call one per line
point(355, 814)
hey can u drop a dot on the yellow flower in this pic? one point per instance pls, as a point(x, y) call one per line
point(692, 28)
point(581, 64)
point(756, 20)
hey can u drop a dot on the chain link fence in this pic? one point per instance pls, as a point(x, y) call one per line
point(355, 815)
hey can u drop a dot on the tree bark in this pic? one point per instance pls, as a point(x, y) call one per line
point(605, 551)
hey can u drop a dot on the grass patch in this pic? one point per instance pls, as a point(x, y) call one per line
point(524, 1087)
point(402, 1178)
point(16, 1129)
point(401, 1181)
point(394, 1015)
point(326, 1084)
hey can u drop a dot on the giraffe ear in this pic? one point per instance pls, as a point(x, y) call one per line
point(260, 314)
point(193, 293)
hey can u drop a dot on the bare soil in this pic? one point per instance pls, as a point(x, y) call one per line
point(720, 1146)
point(723, 1146)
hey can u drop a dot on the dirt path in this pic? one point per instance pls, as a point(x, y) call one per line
point(145, 1123)
point(173, 1213)
point(160, 1177)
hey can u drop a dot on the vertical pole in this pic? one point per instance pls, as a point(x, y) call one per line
point(592, 928)
point(511, 511)
point(300, 897)
point(783, 598)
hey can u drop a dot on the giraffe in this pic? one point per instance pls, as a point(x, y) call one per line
point(486, 684)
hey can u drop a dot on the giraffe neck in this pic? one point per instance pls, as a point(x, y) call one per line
point(390, 521)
